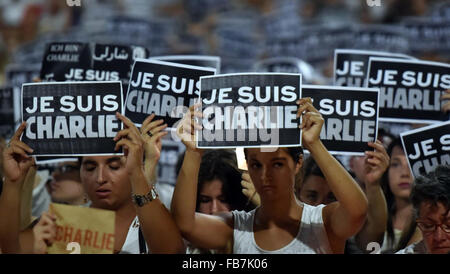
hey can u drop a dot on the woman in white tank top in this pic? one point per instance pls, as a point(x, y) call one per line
point(281, 224)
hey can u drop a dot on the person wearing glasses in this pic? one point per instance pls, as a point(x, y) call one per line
point(65, 186)
point(430, 197)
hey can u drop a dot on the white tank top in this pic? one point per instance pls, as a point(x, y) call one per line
point(311, 237)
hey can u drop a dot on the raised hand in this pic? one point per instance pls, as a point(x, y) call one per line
point(249, 189)
point(186, 129)
point(133, 145)
point(375, 163)
point(312, 122)
point(16, 161)
point(44, 233)
point(152, 133)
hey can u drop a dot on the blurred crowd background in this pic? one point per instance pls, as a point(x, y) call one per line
point(241, 32)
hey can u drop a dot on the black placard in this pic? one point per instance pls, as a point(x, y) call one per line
point(427, 147)
point(350, 66)
point(427, 34)
point(16, 76)
point(166, 89)
point(6, 112)
point(410, 90)
point(89, 62)
point(250, 110)
point(350, 114)
point(71, 118)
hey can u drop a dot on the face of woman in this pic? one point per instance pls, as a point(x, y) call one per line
point(272, 173)
point(66, 184)
point(106, 181)
point(315, 191)
point(211, 198)
point(400, 177)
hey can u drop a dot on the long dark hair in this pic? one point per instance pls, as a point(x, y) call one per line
point(390, 201)
point(222, 165)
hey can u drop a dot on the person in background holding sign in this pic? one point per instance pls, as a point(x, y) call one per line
point(397, 183)
point(323, 229)
point(430, 197)
point(219, 189)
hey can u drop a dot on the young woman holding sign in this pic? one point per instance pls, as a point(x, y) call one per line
point(281, 224)
point(109, 181)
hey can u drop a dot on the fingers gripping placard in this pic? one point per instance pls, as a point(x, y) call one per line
point(75, 118)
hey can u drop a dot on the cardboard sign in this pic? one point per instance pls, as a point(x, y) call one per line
point(192, 60)
point(71, 118)
point(427, 147)
point(83, 230)
point(166, 89)
point(7, 121)
point(250, 110)
point(350, 66)
point(350, 114)
point(86, 62)
point(410, 90)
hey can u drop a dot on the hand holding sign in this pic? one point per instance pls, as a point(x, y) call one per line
point(16, 161)
point(375, 163)
point(130, 139)
point(446, 105)
point(312, 122)
point(44, 233)
point(186, 129)
point(152, 133)
point(248, 188)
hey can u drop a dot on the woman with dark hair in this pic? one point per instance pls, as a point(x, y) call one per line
point(281, 224)
point(313, 189)
point(397, 185)
point(219, 187)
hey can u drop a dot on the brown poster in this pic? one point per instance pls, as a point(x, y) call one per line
point(83, 230)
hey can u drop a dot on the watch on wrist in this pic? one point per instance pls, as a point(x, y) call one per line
point(141, 200)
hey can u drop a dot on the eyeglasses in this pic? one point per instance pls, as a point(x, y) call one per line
point(430, 227)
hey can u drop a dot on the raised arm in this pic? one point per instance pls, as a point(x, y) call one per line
point(16, 163)
point(159, 229)
point(375, 163)
point(345, 217)
point(152, 133)
point(204, 231)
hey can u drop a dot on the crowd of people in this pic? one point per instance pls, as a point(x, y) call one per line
point(284, 201)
